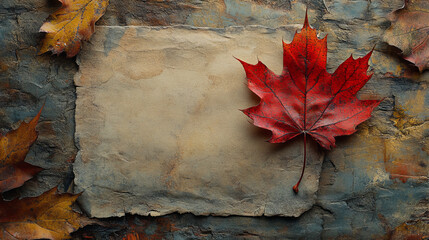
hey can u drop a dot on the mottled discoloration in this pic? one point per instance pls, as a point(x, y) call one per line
point(404, 160)
point(150, 229)
point(188, 226)
point(170, 132)
point(210, 13)
point(402, 120)
point(411, 230)
point(26, 82)
point(151, 12)
point(353, 26)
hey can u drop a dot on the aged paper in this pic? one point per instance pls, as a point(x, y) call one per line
point(159, 129)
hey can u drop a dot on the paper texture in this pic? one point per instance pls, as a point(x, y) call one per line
point(159, 129)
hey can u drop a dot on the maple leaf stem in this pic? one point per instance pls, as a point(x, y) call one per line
point(295, 188)
point(328, 105)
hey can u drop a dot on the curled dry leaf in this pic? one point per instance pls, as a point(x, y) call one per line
point(48, 216)
point(14, 147)
point(305, 99)
point(410, 32)
point(73, 23)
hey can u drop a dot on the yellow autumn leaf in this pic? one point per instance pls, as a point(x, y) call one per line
point(14, 147)
point(48, 216)
point(73, 23)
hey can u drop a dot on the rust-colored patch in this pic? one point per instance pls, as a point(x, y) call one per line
point(72, 158)
point(403, 168)
point(404, 70)
point(142, 230)
point(3, 67)
point(411, 230)
point(4, 85)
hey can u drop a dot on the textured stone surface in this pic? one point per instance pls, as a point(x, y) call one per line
point(26, 82)
point(187, 226)
point(208, 13)
point(167, 136)
point(357, 198)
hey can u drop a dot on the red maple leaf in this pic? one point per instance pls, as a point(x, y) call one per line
point(305, 99)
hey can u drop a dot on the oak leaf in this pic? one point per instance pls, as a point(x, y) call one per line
point(410, 32)
point(14, 147)
point(305, 99)
point(73, 23)
point(48, 216)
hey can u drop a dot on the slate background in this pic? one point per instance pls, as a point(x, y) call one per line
point(357, 199)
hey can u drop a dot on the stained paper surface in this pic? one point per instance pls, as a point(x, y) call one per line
point(159, 129)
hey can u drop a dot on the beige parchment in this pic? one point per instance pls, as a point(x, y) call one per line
point(159, 129)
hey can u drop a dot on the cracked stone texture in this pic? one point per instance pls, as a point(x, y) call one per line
point(26, 82)
point(373, 183)
point(168, 134)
